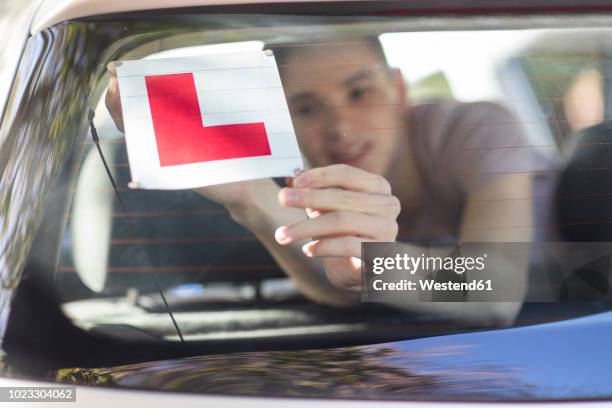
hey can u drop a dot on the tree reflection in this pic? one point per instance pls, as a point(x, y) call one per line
point(353, 372)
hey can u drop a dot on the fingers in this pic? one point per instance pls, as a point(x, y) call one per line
point(335, 199)
point(339, 246)
point(343, 272)
point(339, 223)
point(112, 68)
point(346, 206)
point(312, 213)
point(342, 176)
point(113, 99)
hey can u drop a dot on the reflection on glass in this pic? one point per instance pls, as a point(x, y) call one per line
point(465, 140)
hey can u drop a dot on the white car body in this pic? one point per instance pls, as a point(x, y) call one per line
point(36, 18)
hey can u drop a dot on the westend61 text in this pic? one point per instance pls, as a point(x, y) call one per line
point(432, 285)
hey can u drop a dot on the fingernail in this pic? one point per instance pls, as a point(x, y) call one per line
point(297, 172)
point(307, 250)
point(301, 181)
point(292, 196)
point(282, 235)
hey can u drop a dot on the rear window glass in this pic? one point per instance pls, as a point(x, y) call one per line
point(471, 128)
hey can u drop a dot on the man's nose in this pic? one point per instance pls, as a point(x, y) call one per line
point(337, 124)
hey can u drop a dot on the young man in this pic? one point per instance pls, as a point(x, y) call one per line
point(381, 169)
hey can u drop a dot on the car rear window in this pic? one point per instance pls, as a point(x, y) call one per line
point(111, 251)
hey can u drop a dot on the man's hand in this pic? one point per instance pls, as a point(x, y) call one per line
point(346, 206)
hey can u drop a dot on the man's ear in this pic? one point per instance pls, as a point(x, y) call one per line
point(400, 85)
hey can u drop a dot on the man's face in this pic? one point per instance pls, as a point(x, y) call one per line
point(347, 106)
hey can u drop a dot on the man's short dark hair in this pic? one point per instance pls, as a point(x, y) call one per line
point(284, 52)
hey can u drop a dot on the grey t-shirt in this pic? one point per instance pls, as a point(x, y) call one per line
point(459, 147)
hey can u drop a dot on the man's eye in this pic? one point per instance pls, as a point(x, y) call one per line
point(306, 110)
point(357, 94)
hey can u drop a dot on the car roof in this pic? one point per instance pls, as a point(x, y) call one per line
point(52, 12)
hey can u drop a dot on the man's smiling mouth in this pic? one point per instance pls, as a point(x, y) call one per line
point(352, 155)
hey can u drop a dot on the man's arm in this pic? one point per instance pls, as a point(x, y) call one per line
point(499, 211)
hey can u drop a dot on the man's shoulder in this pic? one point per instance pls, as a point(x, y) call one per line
point(446, 125)
point(444, 111)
